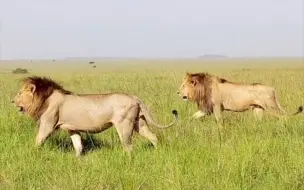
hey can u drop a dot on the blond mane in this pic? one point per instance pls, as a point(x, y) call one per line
point(44, 88)
point(202, 94)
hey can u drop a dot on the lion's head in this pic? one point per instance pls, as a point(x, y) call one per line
point(193, 86)
point(31, 98)
point(197, 87)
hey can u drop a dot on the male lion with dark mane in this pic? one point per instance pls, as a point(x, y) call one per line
point(54, 107)
point(214, 95)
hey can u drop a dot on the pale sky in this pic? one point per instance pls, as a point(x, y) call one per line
point(42, 29)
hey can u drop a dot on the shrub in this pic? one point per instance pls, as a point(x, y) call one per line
point(20, 71)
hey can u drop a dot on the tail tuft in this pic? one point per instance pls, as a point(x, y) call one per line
point(300, 108)
point(174, 112)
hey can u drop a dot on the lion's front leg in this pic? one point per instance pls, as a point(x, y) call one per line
point(218, 114)
point(46, 126)
point(258, 113)
point(76, 140)
point(198, 114)
point(44, 131)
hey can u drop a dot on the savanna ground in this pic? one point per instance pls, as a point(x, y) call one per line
point(245, 154)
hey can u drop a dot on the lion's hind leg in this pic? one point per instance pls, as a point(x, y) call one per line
point(144, 131)
point(125, 131)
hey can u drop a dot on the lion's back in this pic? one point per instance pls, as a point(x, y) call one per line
point(107, 99)
point(248, 91)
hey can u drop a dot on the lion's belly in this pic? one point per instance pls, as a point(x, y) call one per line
point(93, 118)
point(85, 128)
point(85, 123)
point(238, 101)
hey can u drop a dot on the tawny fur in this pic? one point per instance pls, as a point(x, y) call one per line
point(213, 94)
point(54, 107)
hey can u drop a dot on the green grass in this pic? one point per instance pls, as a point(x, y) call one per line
point(246, 154)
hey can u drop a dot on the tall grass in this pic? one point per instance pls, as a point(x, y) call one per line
point(191, 155)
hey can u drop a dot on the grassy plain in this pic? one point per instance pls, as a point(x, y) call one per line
point(249, 154)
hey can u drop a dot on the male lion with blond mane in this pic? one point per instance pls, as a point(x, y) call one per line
point(214, 95)
point(54, 107)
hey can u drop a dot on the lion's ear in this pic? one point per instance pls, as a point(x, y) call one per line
point(32, 88)
point(193, 82)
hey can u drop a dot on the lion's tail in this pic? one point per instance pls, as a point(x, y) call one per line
point(300, 108)
point(149, 118)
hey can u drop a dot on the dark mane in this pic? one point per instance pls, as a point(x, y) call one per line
point(203, 90)
point(44, 88)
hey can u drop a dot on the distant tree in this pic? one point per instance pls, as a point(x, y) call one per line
point(91, 62)
point(94, 66)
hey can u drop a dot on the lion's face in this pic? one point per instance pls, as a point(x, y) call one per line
point(24, 98)
point(186, 90)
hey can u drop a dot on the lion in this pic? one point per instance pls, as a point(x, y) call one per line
point(213, 95)
point(53, 107)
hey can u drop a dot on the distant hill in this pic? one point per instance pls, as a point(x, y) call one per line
point(98, 58)
point(212, 56)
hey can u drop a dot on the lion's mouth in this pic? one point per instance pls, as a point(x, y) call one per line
point(185, 97)
point(21, 109)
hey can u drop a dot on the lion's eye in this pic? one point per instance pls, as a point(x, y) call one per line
point(192, 82)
